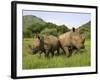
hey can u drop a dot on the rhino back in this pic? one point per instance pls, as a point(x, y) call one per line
point(65, 39)
point(51, 41)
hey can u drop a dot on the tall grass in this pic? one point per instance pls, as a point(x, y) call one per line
point(82, 58)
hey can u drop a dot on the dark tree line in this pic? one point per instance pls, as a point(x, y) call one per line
point(42, 29)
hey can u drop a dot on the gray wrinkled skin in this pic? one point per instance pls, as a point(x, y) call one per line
point(45, 44)
point(36, 46)
point(50, 44)
point(71, 41)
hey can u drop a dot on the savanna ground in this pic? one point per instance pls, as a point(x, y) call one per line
point(82, 58)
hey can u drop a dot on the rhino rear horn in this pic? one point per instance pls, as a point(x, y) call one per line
point(73, 29)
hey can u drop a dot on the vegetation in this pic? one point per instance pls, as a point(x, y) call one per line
point(33, 25)
point(85, 28)
point(82, 58)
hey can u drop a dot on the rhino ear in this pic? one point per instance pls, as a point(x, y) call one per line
point(40, 37)
point(37, 36)
point(73, 29)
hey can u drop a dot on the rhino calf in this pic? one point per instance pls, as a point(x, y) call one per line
point(45, 44)
point(50, 44)
point(37, 46)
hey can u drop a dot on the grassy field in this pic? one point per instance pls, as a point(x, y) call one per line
point(82, 58)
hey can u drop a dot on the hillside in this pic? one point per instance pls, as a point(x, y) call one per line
point(33, 25)
point(86, 28)
point(28, 20)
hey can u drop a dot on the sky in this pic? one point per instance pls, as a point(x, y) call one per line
point(61, 18)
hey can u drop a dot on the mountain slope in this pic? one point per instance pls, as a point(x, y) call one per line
point(28, 20)
point(86, 28)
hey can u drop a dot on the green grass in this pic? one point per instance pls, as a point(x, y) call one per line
point(82, 58)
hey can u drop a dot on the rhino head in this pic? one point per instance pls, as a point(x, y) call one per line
point(78, 39)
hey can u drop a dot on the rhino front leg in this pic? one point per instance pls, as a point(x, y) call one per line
point(47, 53)
point(66, 51)
point(52, 53)
point(74, 51)
point(58, 52)
point(40, 54)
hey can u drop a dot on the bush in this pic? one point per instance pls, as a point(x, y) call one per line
point(47, 29)
point(27, 34)
point(62, 29)
point(52, 31)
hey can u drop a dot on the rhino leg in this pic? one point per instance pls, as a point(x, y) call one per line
point(74, 52)
point(52, 53)
point(47, 53)
point(58, 52)
point(40, 54)
point(42, 51)
point(66, 51)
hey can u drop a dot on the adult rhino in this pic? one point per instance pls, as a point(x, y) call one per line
point(71, 41)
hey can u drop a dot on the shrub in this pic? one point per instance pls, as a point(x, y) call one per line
point(52, 31)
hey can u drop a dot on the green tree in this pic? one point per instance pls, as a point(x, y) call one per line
point(62, 29)
point(47, 31)
point(27, 33)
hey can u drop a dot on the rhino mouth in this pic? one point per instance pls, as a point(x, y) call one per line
point(35, 50)
point(75, 48)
